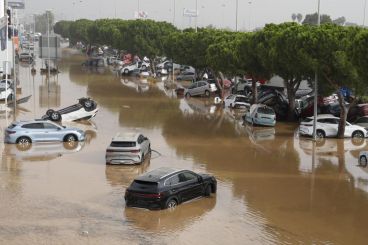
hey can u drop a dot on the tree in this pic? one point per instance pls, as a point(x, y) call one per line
point(63, 28)
point(293, 16)
point(339, 21)
point(312, 19)
point(359, 53)
point(299, 17)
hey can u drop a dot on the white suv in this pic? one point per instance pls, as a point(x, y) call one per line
point(128, 148)
point(327, 126)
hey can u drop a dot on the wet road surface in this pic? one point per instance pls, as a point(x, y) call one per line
point(273, 187)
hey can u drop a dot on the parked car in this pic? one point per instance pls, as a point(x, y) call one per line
point(362, 121)
point(25, 57)
point(199, 88)
point(236, 101)
point(187, 68)
point(259, 114)
point(327, 126)
point(363, 158)
point(6, 93)
point(167, 187)
point(27, 132)
point(243, 86)
point(168, 65)
point(357, 111)
point(85, 109)
point(4, 82)
point(186, 76)
point(162, 72)
point(128, 148)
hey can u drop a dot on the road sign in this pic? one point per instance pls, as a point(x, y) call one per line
point(190, 13)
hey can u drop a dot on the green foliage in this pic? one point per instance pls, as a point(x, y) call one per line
point(312, 19)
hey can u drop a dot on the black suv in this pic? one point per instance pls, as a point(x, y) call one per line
point(166, 188)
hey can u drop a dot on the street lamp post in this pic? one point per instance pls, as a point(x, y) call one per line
point(316, 85)
point(174, 14)
point(236, 16)
point(48, 46)
point(196, 17)
point(365, 7)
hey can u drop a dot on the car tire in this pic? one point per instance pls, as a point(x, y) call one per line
point(144, 67)
point(231, 106)
point(10, 97)
point(159, 74)
point(171, 204)
point(187, 95)
point(320, 134)
point(126, 71)
point(363, 161)
point(208, 191)
point(49, 112)
point(70, 145)
point(70, 138)
point(358, 134)
point(207, 93)
point(55, 116)
point(24, 143)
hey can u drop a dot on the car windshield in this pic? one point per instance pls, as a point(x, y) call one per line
point(123, 144)
point(266, 110)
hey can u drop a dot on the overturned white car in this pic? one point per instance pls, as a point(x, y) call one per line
point(85, 109)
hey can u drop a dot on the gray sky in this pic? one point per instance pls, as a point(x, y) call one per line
point(220, 13)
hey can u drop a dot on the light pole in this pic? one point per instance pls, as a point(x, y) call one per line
point(48, 46)
point(250, 13)
point(223, 10)
point(139, 9)
point(236, 16)
point(174, 13)
point(365, 7)
point(316, 85)
point(196, 17)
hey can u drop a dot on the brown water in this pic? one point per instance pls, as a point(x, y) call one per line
point(272, 189)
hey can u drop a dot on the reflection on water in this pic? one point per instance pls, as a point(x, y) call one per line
point(273, 187)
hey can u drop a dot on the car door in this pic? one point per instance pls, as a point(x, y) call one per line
point(192, 89)
point(330, 126)
point(53, 132)
point(348, 130)
point(35, 131)
point(191, 187)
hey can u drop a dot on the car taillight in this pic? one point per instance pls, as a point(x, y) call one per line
point(134, 151)
point(10, 132)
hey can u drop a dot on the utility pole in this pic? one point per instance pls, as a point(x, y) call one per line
point(196, 17)
point(316, 86)
point(236, 16)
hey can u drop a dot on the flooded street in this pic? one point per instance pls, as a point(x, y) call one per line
point(273, 187)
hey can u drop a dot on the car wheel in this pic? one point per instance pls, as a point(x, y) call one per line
point(187, 95)
point(70, 145)
point(171, 204)
point(358, 134)
point(88, 103)
point(10, 97)
point(363, 161)
point(231, 105)
point(70, 138)
point(159, 74)
point(24, 143)
point(126, 71)
point(55, 116)
point(208, 191)
point(320, 134)
point(49, 112)
point(144, 67)
point(207, 93)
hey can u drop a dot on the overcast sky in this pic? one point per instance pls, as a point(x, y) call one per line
point(220, 13)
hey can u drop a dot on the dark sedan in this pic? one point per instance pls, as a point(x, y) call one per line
point(166, 188)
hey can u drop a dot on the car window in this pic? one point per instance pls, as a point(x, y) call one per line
point(50, 126)
point(230, 97)
point(122, 144)
point(265, 110)
point(186, 176)
point(174, 180)
point(33, 125)
point(240, 99)
point(192, 86)
point(331, 121)
point(362, 120)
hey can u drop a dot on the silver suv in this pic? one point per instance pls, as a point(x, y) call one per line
point(128, 148)
point(27, 132)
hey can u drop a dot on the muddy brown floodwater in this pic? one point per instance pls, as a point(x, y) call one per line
point(273, 187)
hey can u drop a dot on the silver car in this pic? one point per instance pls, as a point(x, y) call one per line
point(200, 88)
point(128, 148)
point(27, 132)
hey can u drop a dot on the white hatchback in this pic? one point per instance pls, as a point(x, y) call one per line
point(327, 126)
point(128, 148)
point(236, 101)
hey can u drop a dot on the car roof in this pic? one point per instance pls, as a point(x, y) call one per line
point(32, 121)
point(157, 174)
point(129, 136)
point(322, 116)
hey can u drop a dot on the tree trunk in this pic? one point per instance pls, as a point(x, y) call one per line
point(222, 87)
point(254, 91)
point(343, 114)
point(291, 99)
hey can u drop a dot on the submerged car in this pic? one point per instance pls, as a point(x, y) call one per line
point(236, 101)
point(259, 114)
point(85, 109)
point(327, 126)
point(200, 88)
point(27, 132)
point(167, 187)
point(128, 148)
point(6, 93)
